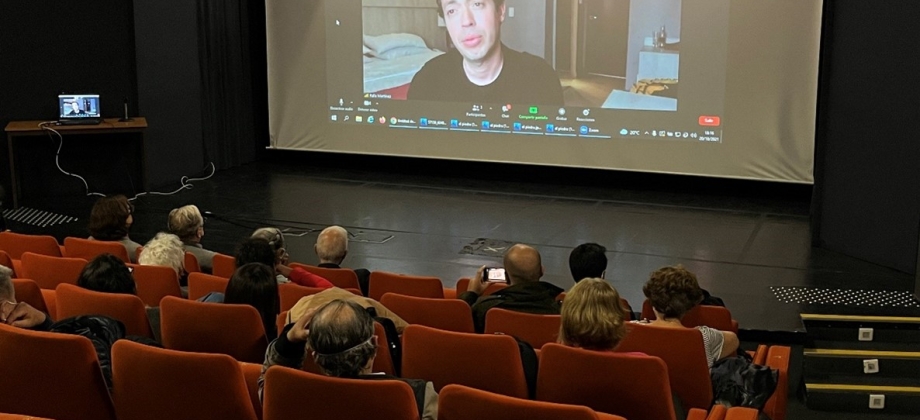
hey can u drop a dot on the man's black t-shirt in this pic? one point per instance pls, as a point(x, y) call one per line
point(525, 79)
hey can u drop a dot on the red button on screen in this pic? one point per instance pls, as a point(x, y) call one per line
point(707, 121)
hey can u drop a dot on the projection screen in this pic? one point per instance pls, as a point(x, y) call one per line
point(718, 88)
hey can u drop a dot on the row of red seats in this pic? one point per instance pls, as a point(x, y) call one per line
point(66, 383)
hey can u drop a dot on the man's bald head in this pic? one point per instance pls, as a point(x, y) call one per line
point(332, 245)
point(342, 339)
point(523, 264)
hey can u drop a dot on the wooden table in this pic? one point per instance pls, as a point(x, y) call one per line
point(19, 129)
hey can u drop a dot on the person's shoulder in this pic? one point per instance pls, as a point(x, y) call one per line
point(449, 60)
point(525, 59)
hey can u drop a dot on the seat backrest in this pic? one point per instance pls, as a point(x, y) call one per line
point(234, 330)
point(200, 284)
point(154, 383)
point(7, 261)
point(28, 291)
point(344, 278)
point(251, 374)
point(464, 285)
point(191, 263)
point(49, 272)
point(291, 394)
point(717, 317)
point(74, 300)
point(155, 282)
point(635, 387)
point(291, 293)
point(457, 402)
point(89, 249)
point(532, 328)
point(682, 351)
point(17, 244)
point(488, 362)
point(223, 265)
point(382, 282)
point(444, 314)
point(51, 375)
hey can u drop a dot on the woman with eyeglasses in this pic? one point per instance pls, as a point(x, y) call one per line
point(110, 220)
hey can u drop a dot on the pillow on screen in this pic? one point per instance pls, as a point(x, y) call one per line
point(366, 50)
point(383, 43)
point(402, 52)
point(368, 59)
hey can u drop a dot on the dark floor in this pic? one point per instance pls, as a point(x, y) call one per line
point(739, 246)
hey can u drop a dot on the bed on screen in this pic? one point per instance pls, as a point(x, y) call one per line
point(391, 62)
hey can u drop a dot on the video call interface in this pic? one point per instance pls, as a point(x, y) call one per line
point(597, 69)
point(78, 106)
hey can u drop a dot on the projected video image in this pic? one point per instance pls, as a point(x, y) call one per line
point(617, 54)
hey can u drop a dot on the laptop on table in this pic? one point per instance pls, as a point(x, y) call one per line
point(79, 110)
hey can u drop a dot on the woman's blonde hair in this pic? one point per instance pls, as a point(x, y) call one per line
point(592, 316)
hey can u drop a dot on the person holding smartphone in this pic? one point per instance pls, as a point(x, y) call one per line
point(523, 269)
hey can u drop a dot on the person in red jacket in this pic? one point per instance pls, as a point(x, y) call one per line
point(259, 250)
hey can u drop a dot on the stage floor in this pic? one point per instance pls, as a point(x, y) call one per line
point(743, 250)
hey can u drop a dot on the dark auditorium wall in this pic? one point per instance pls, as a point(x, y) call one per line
point(169, 87)
point(867, 195)
point(47, 47)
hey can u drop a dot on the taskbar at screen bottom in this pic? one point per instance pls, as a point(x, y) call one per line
point(536, 124)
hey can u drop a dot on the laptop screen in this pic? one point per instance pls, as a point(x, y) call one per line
point(79, 106)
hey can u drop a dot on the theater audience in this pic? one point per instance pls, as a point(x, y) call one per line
point(592, 317)
point(340, 338)
point(19, 314)
point(526, 293)
point(110, 220)
point(254, 284)
point(673, 291)
point(187, 223)
point(590, 261)
point(332, 247)
point(165, 250)
point(259, 250)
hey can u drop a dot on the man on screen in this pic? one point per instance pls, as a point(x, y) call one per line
point(481, 69)
point(75, 109)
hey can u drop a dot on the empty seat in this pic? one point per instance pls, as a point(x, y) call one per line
point(382, 282)
point(488, 362)
point(444, 314)
point(155, 282)
point(7, 261)
point(344, 278)
point(291, 394)
point(28, 291)
point(200, 284)
point(17, 244)
point(51, 375)
point(223, 265)
point(234, 330)
point(89, 249)
point(532, 328)
point(457, 402)
point(73, 300)
point(155, 383)
point(49, 272)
